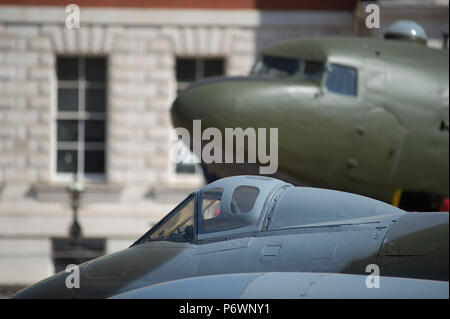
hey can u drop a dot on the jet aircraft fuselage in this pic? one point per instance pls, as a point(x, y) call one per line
point(251, 224)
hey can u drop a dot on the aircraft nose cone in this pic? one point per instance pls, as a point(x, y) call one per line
point(208, 100)
point(189, 105)
point(176, 113)
point(53, 287)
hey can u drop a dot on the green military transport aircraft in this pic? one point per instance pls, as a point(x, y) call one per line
point(363, 115)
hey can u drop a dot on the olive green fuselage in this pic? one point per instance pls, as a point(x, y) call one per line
point(393, 135)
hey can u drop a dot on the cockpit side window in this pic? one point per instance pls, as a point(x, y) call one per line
point(342, 80)
point(179, 227)
point(277, 67)
point(222, 211)
point(243, 199)
point(211, 203)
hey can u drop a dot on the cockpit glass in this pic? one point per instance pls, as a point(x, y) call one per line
point(313, 71)
point(179, 227)
point(277, 67)
point(243, 199)
point(342, 80)
point(211, 203)
point(221, 212)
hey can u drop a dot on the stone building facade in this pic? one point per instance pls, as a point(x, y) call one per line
point(141, 46)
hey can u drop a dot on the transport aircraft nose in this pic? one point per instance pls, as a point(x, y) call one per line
point(211, 101)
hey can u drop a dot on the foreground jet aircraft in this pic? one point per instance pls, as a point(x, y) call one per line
point(249, 224)
point(367, 116)
point(290, 285)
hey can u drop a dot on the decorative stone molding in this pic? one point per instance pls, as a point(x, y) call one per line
point(93, 193)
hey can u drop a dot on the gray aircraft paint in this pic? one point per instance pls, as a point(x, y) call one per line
point(290, 286)
point(340, 233)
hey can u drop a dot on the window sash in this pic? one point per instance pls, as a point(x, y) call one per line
point(81, 116)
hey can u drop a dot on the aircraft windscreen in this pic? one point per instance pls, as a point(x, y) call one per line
point(277, 67)
point(179, 227)
point(281, 67)
point(313, 71)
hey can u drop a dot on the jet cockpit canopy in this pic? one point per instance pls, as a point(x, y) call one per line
point(244, 205)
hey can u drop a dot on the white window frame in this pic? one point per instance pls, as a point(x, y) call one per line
point(80, 116)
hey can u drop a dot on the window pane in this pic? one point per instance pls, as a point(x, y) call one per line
point(67, 161)
point(313, 71)
point(213, 219)
point(95, 69)
point(68, 99)
point(95, 100)
point(91, 69)
point(94, 131)
point(67, 131)
point(277, 66)
point(341, 79)
point(178, 228)
point(183, 168)
point(185, 70)
point(94, 162)
point(67, 68)
point(213, 67)
point(211, 203)
point(244, 197)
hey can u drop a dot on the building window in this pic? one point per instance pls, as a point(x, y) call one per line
point(194, 69)
point(81, 115)
point(189, 70)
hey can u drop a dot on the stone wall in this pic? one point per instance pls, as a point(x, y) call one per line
point(141, 88)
